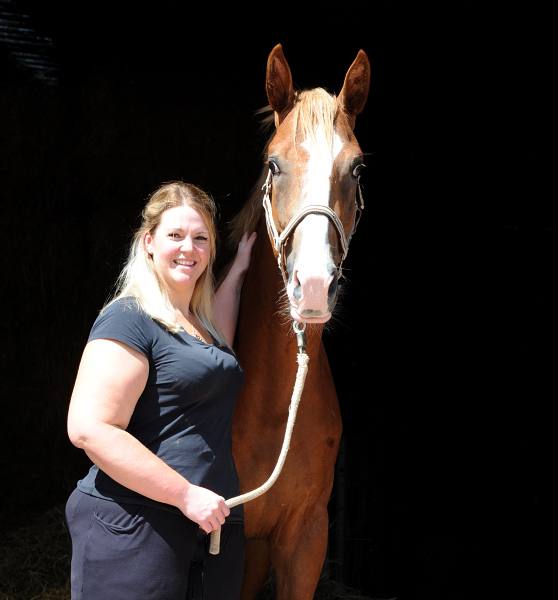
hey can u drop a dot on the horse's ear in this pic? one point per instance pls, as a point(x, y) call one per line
point(279, 84)
point(354, 94)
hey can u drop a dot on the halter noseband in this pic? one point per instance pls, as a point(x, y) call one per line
point(279, 240)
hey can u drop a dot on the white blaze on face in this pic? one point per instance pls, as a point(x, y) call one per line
point(313, 266)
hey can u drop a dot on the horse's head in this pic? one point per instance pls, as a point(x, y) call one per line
point(313, 195)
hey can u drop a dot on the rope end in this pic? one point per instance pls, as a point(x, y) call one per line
point(215, 541)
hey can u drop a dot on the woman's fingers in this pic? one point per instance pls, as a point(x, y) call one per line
point(205, 508)
point(246, 242)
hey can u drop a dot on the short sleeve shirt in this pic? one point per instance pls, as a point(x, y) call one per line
point(184, 414)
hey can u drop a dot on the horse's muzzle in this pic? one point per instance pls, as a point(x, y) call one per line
point(313, 299)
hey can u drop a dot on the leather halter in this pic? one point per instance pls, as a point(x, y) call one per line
point(279, 240)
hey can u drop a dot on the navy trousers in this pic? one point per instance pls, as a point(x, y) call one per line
point(135, 552)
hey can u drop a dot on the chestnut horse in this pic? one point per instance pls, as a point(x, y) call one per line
point(312, 169)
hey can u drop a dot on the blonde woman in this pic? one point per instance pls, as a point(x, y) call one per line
point(152, 407)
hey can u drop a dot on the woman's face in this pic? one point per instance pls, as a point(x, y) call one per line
point(180, 247)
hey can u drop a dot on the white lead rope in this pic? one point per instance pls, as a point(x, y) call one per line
point(302, 358)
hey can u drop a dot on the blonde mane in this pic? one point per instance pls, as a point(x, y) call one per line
point(314, 110)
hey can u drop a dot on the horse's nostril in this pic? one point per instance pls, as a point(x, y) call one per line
point(332, 291)
point(297, 292)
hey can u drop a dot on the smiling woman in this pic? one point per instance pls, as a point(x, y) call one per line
point(180, 248)
point(177, 224)
point(152, 407)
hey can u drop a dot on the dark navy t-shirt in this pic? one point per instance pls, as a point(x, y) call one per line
point(184, 414)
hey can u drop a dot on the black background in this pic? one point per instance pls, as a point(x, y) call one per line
point(444, 348)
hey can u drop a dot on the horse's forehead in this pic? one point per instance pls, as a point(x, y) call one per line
point(284, 139)
point(303, 145)
point(322, 153)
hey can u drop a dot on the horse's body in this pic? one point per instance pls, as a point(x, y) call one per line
point(317, 165)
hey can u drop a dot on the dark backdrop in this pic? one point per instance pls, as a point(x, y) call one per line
point(444, 349)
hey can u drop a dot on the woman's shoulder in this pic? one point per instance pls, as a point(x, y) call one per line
point(125, 320)
point(125, 305)
point(125, 309)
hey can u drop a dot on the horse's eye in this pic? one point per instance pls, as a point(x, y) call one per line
point(357, 171)
point(273, 167)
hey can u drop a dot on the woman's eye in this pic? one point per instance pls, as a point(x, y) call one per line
point(357, 171)
point(273, 167)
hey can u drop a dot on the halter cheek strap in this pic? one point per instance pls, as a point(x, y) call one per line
point(279, 240)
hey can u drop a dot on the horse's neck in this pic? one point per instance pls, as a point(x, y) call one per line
point(264, 330)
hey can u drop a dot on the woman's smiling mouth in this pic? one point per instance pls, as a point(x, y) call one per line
point(185, 263)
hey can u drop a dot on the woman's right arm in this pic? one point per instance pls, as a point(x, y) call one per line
point(111, 378)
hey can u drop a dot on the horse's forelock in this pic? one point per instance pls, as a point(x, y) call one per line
point(315, 110)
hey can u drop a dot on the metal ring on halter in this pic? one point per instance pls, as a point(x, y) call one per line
point(300, 336)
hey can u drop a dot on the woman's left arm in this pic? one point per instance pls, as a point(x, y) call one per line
point(227, 297)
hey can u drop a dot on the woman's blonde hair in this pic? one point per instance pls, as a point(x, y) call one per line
point(139, 278)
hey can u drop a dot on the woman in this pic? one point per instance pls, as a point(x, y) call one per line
point(152, 407)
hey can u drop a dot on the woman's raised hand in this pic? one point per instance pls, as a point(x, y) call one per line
point(242, 260)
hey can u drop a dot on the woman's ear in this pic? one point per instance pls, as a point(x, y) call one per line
point(148, 241)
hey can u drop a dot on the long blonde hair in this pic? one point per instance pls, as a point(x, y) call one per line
point(140, 280)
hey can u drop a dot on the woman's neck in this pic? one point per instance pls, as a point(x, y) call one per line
point(181, 302)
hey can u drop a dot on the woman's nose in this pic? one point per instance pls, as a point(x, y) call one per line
point(187, 244)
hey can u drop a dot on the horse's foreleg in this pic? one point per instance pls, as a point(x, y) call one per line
point(256, 567)
point(298, 560)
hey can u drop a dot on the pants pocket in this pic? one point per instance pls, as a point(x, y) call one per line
point(119, 518)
